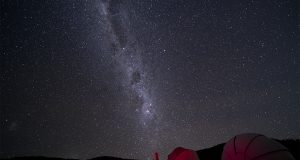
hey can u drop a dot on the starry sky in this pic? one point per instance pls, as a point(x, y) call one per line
point(128, 78)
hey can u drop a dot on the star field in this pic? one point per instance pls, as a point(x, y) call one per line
point(81, 79)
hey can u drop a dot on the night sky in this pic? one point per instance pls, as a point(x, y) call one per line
point(127, 78)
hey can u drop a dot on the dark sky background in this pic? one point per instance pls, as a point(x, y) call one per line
point(81, 79)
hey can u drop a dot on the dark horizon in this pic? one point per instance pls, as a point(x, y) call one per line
point(211, 153)
point(80, 79)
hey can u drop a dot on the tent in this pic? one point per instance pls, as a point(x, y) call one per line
point(254, 147)
point(183, 154)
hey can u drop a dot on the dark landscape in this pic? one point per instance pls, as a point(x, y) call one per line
point(213, 153)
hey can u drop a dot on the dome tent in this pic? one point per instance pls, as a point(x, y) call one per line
point(183, 154)
point(254, 147)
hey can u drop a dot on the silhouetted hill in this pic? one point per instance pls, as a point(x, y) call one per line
point(108, 158)
point(213, 153)
point(52, 158)
point(37, 158)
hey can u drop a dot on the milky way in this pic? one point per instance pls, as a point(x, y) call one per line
point(126, 52)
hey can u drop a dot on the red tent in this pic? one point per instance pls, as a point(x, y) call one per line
point(254, 147)
point(183, 154)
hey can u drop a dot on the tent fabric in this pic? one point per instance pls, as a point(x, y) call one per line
point(181, 153)
point(254, 147)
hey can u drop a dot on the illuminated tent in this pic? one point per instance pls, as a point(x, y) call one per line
point(183, 154)
point(254, 147)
